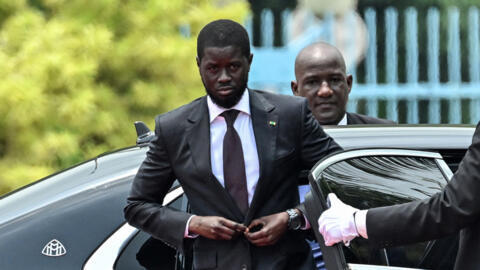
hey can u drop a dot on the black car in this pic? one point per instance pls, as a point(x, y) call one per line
point(74, 219)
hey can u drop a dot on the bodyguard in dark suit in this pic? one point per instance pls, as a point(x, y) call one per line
point(248, 219)
point(321, 77)
point(456, 208)
point(360, 119)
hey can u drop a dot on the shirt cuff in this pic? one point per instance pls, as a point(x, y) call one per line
point(307, 224)
point(187, 233)
point(361, 223)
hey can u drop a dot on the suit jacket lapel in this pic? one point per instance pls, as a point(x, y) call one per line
point(264, 121)
point(198, 137)
point(349, 119)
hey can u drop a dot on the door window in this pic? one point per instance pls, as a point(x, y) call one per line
point(381, 180)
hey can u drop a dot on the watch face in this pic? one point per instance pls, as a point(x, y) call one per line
point(294, 221)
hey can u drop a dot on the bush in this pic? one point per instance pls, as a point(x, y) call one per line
point(76, 74)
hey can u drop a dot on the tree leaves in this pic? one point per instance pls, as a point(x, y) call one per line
point(76, 74)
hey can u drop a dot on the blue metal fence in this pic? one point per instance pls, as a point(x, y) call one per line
point(273, 67)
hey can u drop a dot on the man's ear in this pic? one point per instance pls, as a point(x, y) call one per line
point(294, 86)
point(349, 83)
point(250, 58)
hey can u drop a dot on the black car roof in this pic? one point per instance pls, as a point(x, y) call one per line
point(424, 137)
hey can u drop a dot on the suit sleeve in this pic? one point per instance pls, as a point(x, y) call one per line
point(144, 208)
point(447, 212)
point(315, 143)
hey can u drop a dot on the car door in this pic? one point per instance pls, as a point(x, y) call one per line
point(129, 248)
point(373, 178)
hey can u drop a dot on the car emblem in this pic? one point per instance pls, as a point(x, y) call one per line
point(54, 249)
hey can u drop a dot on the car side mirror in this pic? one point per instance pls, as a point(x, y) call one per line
point(144, 134)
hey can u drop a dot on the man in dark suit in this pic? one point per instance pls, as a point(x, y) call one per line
point(455, 209)
point(244, 216)
point(321, 77)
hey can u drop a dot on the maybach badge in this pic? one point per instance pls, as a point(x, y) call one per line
point(54, 249)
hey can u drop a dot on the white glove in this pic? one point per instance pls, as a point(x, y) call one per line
point(337, 223)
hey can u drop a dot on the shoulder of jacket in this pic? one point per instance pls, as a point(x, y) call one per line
point(172, 117)
point(183, 110)
point(280, 99)
point(369, 119)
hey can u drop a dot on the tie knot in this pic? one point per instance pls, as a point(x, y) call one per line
point(230, 116)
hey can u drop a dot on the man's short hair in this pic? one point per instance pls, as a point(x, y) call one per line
point(223, 33)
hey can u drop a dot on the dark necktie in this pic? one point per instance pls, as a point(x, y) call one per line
point(234, 163)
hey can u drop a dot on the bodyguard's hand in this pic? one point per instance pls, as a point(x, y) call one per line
point(271, 229)
point(213, 227)
point(337, 224)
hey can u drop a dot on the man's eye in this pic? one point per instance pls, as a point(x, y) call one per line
point(336, 80)
point(234, 66)
point(212, 68)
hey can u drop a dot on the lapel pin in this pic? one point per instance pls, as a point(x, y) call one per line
point(272, 123)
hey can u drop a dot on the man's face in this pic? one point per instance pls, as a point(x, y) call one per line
point(224, 72)
point(326, 87)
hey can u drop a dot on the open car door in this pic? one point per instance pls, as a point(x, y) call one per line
point(374, 178)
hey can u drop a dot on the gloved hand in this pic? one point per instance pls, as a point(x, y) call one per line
point(337, 223)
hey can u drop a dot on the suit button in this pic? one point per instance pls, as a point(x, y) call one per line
point(244, 267)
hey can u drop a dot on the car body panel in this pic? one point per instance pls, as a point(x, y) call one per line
point(106, 254)
point(78, 207)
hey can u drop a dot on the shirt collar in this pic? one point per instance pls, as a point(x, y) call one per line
point(343, 122)
point(243, 105)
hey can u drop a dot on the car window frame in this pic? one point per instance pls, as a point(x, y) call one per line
point(316, 200)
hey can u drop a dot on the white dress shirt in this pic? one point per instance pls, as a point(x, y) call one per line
point(343, 122)
point(243, 126)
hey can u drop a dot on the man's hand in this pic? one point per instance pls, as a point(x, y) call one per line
point(337, 224)
point(217, 228)
point(272, 228)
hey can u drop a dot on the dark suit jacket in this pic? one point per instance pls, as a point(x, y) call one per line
point(456, 208)
point(181, 150)
point(359, 119)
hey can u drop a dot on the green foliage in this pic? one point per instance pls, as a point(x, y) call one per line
point(76, 74)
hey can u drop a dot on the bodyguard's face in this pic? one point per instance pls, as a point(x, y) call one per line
point(326, 87)
point(224, 72)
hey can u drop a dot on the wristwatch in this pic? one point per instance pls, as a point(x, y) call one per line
point(294, 220)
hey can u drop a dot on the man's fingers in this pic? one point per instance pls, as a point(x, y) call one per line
point(263, 241)
point(255, 223)
point(255, 236)
point(224, 236)
point(263, 232)
point(238, 227)
point(221, 228)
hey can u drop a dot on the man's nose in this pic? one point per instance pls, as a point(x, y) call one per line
point(224, 76)
point(324, 90)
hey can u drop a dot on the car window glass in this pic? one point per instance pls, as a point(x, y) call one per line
point(453, 157)
point(375, 181)
point(146, 252)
